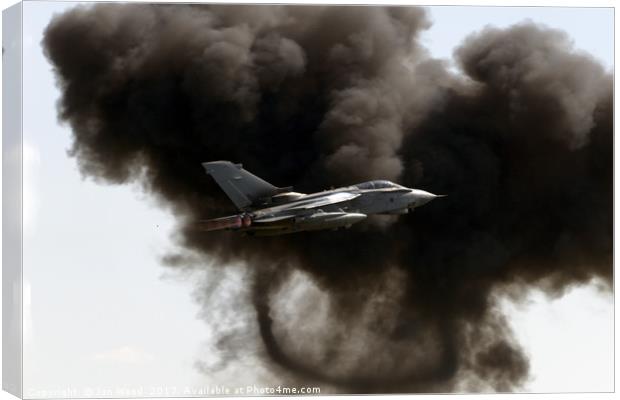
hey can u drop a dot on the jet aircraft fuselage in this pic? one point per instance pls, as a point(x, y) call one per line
point(269, 210)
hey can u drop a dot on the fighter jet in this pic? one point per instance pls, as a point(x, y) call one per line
point(266, 210)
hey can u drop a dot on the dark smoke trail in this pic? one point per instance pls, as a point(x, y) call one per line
point(323, 96)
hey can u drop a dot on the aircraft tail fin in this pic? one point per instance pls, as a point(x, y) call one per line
point(242, 187)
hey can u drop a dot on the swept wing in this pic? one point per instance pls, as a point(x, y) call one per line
point(315, 202)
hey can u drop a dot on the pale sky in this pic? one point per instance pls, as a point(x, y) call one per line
point(101, 311)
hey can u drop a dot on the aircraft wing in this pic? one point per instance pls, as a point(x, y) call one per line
point(326, 200)
point(273, 219)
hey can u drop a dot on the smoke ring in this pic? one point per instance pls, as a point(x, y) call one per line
point(268, 284)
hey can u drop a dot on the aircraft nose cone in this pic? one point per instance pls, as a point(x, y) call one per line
point(421, 197)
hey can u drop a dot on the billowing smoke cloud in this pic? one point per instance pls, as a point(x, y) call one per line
point(314, 97)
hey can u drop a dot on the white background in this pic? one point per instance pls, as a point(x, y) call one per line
point(545, 327)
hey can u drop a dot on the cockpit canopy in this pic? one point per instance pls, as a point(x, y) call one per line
point(382, 184)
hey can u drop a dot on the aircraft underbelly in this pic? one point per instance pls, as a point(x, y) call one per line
point(317, 220)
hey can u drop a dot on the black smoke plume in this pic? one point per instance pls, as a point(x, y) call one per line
point(520, 140)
